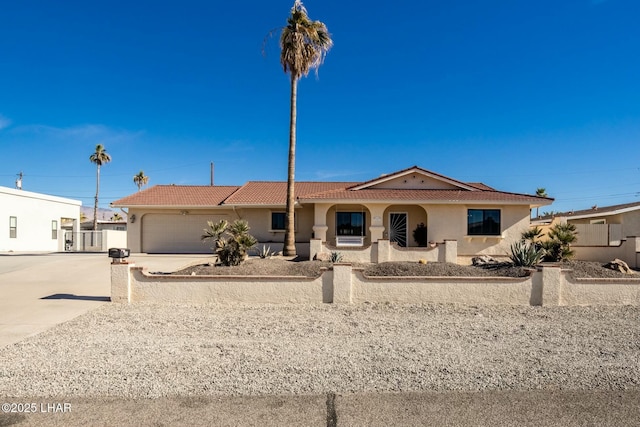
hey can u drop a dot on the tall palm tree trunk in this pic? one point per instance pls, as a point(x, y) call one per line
point(289, 235)
point(95, 206)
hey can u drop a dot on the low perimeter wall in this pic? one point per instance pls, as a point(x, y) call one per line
point(548, 285)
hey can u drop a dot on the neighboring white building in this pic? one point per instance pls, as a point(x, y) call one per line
point(35, 222)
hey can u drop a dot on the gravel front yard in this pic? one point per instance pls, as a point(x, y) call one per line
point(279, 266)
point(194, 350)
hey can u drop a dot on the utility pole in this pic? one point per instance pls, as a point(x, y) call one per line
point(19, 181)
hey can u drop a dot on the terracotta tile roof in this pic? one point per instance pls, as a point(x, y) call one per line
point(275, 192)
point(178, 195)
point(428, 196)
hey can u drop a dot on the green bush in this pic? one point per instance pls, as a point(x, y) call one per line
point(232, 241)
point(558, 247)
point(420, 234)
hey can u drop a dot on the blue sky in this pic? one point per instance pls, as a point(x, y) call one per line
point(518, 94)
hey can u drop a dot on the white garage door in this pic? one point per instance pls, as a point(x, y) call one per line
point(175, 233)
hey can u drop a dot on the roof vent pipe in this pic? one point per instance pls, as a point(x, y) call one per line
point(212, 174)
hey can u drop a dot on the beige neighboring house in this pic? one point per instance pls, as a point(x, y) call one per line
point(604, 233)
point(369, 221)
point(35, 222)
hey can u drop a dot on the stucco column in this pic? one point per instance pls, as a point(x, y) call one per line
point(342, 292)
point(315, 247)
point(384, 250)
point(552, 281)
point(320, 221)
point(451, 251)
point(377, 217)
point(121, 282)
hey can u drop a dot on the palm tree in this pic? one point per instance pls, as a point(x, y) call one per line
point(140, 179)
point(540, 192)
point(116, 217)
point(100, 157)
point(303, 46)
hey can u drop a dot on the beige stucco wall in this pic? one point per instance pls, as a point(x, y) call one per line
point(441, 290)
point(450, 222)
point(224, 289)
point(260, 222)
point(549, 286)
point(599, 291)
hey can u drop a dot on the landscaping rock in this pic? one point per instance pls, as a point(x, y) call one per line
point(619, 265)
point(482, 260)
point(322, 256)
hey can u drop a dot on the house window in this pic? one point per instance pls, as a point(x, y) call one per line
point(350, 223)
point(483, 222)
point(54, 229)
point(13, 227)
point(278, 221)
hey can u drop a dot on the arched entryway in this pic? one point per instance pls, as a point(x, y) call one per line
point(401, 223)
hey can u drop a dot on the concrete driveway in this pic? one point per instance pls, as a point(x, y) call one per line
point(40, 290)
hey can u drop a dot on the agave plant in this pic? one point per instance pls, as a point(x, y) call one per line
point(335, 257)
point(525, 255)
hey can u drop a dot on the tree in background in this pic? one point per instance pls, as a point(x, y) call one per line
point(100, 157)
point(540, 192)
point(140, 179)
point(116, 217)
point(303, 46)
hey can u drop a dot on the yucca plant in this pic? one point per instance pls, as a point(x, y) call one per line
point(265, 252)
point(524, 254)
point(335, 257)
point(232, 241)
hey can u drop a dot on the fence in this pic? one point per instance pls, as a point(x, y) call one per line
point(548, 285)
point(94, 241)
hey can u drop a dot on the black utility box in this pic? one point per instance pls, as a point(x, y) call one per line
point(119, 253)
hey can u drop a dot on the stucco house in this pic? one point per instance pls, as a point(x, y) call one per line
point(34, 221)
point(366, 221)
point(604, 232)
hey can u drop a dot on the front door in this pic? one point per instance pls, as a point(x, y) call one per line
point(398, 228)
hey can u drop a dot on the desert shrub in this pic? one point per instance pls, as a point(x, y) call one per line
point(420, 234)
point(232, 241)
point(265, 252)
point(335, 257)
point(558, 247)
point(525, 254)
point(532, 236)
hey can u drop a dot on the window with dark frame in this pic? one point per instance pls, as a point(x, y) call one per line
point(54, 229)
point(13, 227)
point(278, 221)
point(483, 222)
point(350, 223)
